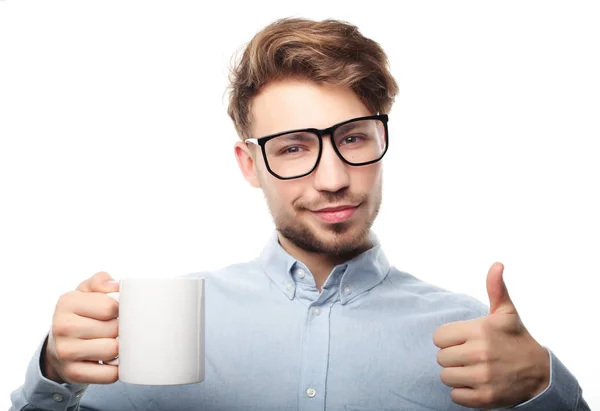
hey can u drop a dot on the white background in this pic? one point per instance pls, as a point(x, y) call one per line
point(116, 153)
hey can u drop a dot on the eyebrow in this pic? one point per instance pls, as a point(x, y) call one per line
point(348, 127)
point(298, 135)
point(343, 128)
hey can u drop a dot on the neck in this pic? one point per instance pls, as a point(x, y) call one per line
point(320, 264)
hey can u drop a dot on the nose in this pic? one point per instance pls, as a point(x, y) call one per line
point(331, 173)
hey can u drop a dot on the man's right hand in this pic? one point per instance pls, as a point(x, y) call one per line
point(84, 331)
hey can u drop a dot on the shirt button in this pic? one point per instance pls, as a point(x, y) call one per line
point(310, 393)
point(316, 311)
point(288, 285)
point(57, 397)
point(301, 273)
point(347, 290)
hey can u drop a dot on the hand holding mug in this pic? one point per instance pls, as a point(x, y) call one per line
point(149, 332)
point(84, 331)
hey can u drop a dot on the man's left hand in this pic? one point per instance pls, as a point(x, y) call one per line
point(492, 361)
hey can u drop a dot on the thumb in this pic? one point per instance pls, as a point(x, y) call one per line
point(497, 292)
point(101, 282)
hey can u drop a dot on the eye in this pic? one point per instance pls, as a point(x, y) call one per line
point(350, 139)
point(291, 150)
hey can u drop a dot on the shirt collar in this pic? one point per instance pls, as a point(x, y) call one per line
point(350, 279)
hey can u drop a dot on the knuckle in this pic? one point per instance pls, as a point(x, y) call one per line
point(94, 281)
point(57, 329)
point(484, 375)
point(61, 327)
point(480, 331)
point(100, 276)
point(98, 279)
point(64, 351)
point(482, 355)
point(444, 376)
point(114, 331)
point(112, 349)
point(436, 337)
point(106, 311)
point(84, 285)
point(65, 300)
point(487, 327)
point(74, 374)
point(440, 333)
point(113, 375)
point(487, 396)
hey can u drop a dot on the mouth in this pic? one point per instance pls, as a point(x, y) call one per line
point(336, 214)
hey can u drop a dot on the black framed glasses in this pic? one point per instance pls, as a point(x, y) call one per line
point(296, 153)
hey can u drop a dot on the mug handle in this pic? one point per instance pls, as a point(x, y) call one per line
point(114, 361)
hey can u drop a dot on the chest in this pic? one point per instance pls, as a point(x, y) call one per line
point(294, 356)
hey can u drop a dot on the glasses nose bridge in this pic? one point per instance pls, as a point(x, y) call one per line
point(325, 132)
point(322, 133)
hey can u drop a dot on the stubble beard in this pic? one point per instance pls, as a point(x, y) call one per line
point(348, 240)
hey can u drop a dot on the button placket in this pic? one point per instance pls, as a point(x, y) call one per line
point(313, 374)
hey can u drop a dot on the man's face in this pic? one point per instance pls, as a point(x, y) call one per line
point(332, 209)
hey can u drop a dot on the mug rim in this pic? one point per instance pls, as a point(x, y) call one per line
point(160, 279)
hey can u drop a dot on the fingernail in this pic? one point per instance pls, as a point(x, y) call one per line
point(112, 282)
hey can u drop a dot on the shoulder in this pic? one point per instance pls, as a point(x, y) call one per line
point(241, 271)
point(431, 297)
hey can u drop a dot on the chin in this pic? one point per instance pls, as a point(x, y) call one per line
point(336, 238)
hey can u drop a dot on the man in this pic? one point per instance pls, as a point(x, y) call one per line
point(320, 320)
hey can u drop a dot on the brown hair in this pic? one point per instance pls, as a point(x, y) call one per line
point(328, 51)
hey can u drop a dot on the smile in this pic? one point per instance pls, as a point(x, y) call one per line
point(335, 214)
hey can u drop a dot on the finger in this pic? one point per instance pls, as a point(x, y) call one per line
point(85, 372)
point(76, 326)
point(451, 334)
point(470, 353)
point(500, 300)
point(98, 349)
point(457, 377)
point(98, 306)
point(100, 282)
point(456, 356)
point(467, 397)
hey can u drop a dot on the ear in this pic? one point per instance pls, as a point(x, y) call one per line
point(245, 160)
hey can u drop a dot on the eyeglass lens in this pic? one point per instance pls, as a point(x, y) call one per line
point(295, 154)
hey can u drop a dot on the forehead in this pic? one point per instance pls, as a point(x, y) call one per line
point(292, 104)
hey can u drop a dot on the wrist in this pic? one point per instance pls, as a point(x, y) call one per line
point(47, 365)
point(542, 372)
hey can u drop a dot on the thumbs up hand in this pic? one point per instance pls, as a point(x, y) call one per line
point(492, 361)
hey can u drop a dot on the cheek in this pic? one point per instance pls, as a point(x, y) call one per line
point(367, 179)
point(281, 193)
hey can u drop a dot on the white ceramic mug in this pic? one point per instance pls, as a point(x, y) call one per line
point(161, 330)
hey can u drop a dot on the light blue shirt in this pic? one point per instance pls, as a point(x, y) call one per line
point(274, 342)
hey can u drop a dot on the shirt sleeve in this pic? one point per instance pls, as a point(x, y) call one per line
point(563, 392)
point(43, 394)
